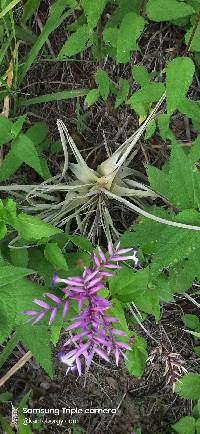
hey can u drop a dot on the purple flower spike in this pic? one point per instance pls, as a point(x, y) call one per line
point(91, 333)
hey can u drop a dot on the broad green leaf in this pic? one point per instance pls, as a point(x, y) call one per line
point(103, 83)
point(76, 42)
point(124, 6)
point(159, 180)
point(57, 96)
point(181, 189)
point(10, 165)
point(189, 387)
point(37, 133)
point(149, 93)
point(39, 263)
point(122, 92)
point(81, 242)
point(150, 129)
point(117, 311)
point(92, 97)
point(5, 130)
point(194, 154)
point(173, 246)
point(54, 255)
point(93, 11)
point(110, 36)
point(190, 321)
point(140, 74)
point(162, 10)
point(185, 425)
point(36, 338)
point(25, 150)
point(130, 30)
point(127, 282)
point(179, 76)
point(19, 257)
point(146, 233)
point(17, 126)
point(137, 357)
point(9, 274)
point(32, 228)
point(8, 349)
point(182, 276)
point(164, 128)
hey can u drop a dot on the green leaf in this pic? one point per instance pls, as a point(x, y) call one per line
point(181, 179)
point(5, 130)
point(137, 358)
point(92, 97)
point(159, 180)
point(173, 246)
point(57, 96)
point(179, 76)
point(183, 275)
point(93, 11)
point(122, 92)
point(9, 166)
point(25, 150)
point(19, 258)
point(37, 340)
point(30, 8)
point(38, 133)
point(103, 83)
point(185, 425)
point(8, 349)
point(81, 242)
point(140, 74)
point(149, 93)
point(32, 228)
point(55, 19)
point(76, 42)
point(145, 234)
point(160, 10)
point(189, 387)
point(127, 282)
point(130, 30)
point(9, 274)
point(54, 255)
point(7, 315)
point(190, 321)
point(150, 129)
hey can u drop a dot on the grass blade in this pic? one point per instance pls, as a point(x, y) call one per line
point(54, 20)
point(57, 96)
point(9, 7)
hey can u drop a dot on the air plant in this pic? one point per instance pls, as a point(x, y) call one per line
point(87, 193)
